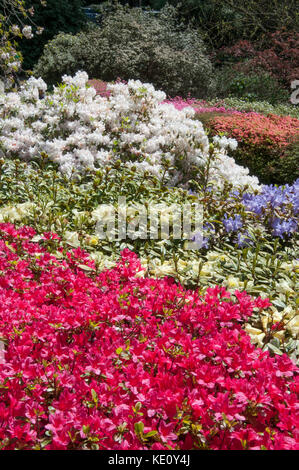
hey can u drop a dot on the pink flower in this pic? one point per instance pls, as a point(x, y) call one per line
point(93, 360)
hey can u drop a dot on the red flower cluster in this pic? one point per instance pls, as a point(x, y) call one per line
point(115, 361)
point(279, 57)
point(100, 87)
point(257, 129)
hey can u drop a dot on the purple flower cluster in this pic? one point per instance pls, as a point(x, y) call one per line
point(275, 207)
point(281, 227)
point(279, 205)
point(232, 224)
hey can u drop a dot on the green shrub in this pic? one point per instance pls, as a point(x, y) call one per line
point(65, 54)
point(263, 107)
point(250, 87)
point(133, 44)
point(290, 163)
point(271, 166)
point(54, 16)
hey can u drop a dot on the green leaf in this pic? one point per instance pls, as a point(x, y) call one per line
point(279, 304)
point(85, 268)
point(150, 434)
point(274, 349)
point(94, 395)
point(139, 427)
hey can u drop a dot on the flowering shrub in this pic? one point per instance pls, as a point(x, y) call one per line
point(277, 206)
point(275, 209)
point(98, 354)
point(28, 192)
point(79, 130)
point(265, 143)
point(268, 145)
point(233, 105)
point(200, 106)
point(115, 361)
point(271, 130)
point(261, 250)
point(279, 57)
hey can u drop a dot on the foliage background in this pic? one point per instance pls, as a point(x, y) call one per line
point(57, 16)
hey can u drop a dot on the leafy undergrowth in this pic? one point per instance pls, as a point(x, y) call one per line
point(117, 361)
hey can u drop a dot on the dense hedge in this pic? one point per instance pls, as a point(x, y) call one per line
point(132, 44)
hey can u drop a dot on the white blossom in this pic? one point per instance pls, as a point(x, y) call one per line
point(27, 32)
point(79, 130)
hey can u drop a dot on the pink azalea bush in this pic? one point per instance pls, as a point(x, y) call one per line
point(118, 361)
point(201, 106)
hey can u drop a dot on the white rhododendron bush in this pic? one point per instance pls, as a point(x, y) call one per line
point(80, 130)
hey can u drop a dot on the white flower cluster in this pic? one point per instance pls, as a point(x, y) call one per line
point(225, 142)
point(27, 32)
point(11, 63)
point(224, 167)
point(80, 130)
point(15, 213)
point(15, 29)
